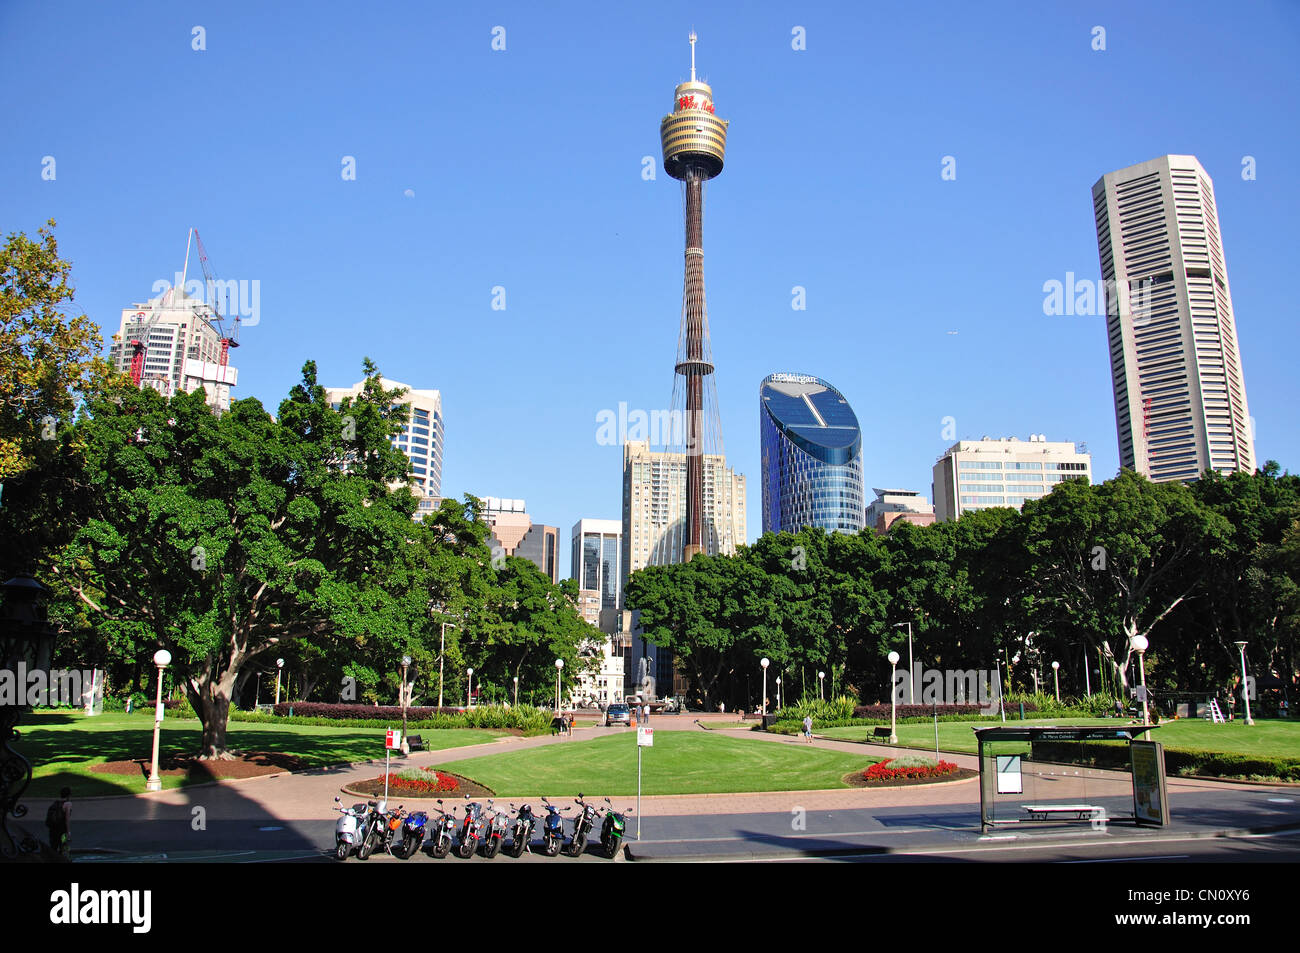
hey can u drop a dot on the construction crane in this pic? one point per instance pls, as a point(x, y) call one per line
point(218, 321)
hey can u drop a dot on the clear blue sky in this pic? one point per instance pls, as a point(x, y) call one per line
point(525, 167)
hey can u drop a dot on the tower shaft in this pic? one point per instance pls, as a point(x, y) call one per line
point(693, 316)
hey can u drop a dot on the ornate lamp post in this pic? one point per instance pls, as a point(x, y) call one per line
point(23, 633)
point(765, 663)
point(1056, 677)
point(559, 667)
point(469, 686)
point(910, 687)
point(893, 701)
point(162, 658)
point(279, 667)
point(821, 684)
point(778, 693)
point(516, 702)
point(406, 661)
point(1245, 683)
point(1140, 644)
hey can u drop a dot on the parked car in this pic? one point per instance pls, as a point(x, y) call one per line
point(618, 714)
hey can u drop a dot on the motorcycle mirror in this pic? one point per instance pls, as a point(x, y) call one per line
point(337, 800)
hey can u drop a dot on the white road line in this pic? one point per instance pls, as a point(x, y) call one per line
point(1117, 860)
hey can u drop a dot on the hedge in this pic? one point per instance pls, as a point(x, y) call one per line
point(1178, 761)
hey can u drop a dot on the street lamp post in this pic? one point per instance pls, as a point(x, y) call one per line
point(1140, 643)
point(765, 663)
point(279, 667)
point(893, 679)
point(162, 658)
point(442, 649)
point(910, 688)
point(406, 661)
point(1245, 684)
point(469, 686)
point(1056, 677)
point(516, 691)
point(778, 693)
point(821, 684)
point(559, 667)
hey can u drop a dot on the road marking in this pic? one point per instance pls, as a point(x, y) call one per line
point(1281, 800)
point(1120, 860)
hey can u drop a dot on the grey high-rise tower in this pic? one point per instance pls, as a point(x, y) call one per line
point(1180, 396)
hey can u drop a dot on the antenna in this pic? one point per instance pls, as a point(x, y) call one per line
point(693, 38)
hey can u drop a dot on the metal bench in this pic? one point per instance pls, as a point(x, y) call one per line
point(881, 732)
point(1081, 812)
point(415, 743)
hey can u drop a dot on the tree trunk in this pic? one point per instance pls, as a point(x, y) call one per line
point(210, 693)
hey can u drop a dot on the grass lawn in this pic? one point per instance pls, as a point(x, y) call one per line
point(1278, 738)
point(681, 762)
point(63, 745)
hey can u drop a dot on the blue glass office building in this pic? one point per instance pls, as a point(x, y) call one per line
point(812, 456)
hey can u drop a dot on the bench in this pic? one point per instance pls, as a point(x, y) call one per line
point(414, 743)
point(1081, 812)
point(881, 733)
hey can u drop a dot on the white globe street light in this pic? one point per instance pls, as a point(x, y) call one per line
point(893, 680)
point(778, 693)
point(1056, 677)
point(162, 658)
point(1245, 682)
point(279, 667)
point(516, 691)
point(821, 684)
point(765, 663)
point(469, 687)
point(559, 667)
point(1139, 644)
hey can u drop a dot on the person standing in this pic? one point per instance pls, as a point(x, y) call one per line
point(807, 727)
point(58, 822)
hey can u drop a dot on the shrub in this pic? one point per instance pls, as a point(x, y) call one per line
point(822, 710)
point(1178, 761)
point(882, 712)
point(525, 719)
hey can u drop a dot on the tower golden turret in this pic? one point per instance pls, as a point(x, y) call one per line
point(692, 136)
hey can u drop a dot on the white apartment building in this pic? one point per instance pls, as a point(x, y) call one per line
point(978, 474)
point(654, 506)
point(1180, 395)
point(421, 437)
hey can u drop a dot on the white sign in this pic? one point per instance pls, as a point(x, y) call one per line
point(158, 715)
point(1009, 780)
point(645, 737)
point(393, 738)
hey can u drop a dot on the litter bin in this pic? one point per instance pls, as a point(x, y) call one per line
point(768, 721)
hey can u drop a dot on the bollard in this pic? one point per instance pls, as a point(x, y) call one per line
point(1022, 711)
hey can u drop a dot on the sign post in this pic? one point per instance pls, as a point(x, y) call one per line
point(392, 739)
point(645, 738)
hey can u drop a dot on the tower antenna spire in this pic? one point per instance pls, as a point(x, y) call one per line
point(693, 38)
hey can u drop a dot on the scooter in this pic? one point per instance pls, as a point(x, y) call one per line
point(582, 825)
point(413, 830)
point(471, 829)
point(552, 829)
point(525, 821)
point(494, 833)
point(444, 829)
point(351, 829)
point(612, 831)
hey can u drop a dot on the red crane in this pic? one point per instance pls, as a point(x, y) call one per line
point(219, 322)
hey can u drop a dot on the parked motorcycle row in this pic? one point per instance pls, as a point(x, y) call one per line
point(365, 828)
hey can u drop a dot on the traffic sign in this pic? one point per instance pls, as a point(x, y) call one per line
point(645, 737)
point(393, 738)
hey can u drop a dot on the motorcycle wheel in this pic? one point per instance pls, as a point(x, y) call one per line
point(611, 851)
point(491, 847)
point(550, 846)
point(466, 849)
point(440, 848)
point(342, 849)
point(578, 845)
point(366, 849)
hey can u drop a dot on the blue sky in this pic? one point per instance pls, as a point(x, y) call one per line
point(525, 168)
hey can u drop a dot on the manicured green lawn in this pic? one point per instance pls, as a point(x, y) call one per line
point(681, 762)
point(63, 745)
point(1278, 738)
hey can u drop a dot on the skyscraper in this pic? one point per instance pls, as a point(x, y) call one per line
point(812, 456)
point(420, 439)
point(514, 531)
point(694, 146)
point(1180, 397)
point(978, 474)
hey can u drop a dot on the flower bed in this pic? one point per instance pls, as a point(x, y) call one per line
point(897, 769)
point(419, 783)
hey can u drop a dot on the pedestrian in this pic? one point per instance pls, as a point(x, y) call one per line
point(58, 821)
point(645, 714)
point(807, 727)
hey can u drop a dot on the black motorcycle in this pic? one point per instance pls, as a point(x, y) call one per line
point(525, 821)
point(612, 831)
point(444, 831)
point(582, 825)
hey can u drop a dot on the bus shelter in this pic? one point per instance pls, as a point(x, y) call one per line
point(1047, 774)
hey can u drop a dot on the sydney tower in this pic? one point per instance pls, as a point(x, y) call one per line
point(694, 145)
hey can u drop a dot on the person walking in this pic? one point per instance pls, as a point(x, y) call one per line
point(807, 727)
point(58, 822)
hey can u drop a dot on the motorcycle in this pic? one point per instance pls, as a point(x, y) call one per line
point(525, 821)
point(352, 829)
point(413, 830)
point(385, 831)
point(552, 829)
point(444, 831)
point(612, 831)
point(471, 829)
point(494, 834)
point(582, 825)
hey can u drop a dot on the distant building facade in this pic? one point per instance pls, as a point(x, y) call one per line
point(891, 506)
point(979, 474)
point(514, 531)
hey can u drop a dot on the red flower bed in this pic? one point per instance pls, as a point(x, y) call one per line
point(881, 771)
point(438, 783)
